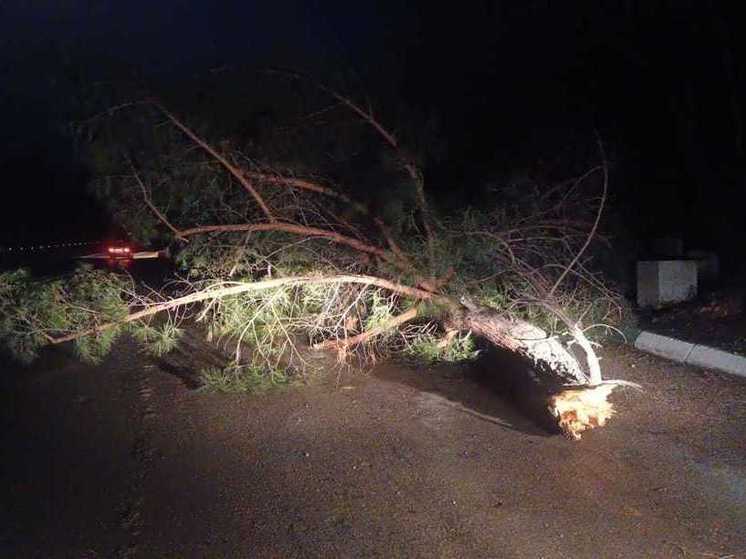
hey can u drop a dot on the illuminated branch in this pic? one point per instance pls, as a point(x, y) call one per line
point(346, 343)
point(244, 177)
point(219, 292)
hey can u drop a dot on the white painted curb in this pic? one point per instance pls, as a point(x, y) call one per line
point(692, 354)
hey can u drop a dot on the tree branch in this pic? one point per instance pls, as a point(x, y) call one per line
point(592, 232)
point(294, 229)
point(312, 186)
point(346, 343)
point(304, 184)
point(226, 291)
point(154, 209)
point(408, 163)
point(591, 359)
point(232, 169)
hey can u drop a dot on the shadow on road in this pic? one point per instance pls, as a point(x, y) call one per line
point(498, 387)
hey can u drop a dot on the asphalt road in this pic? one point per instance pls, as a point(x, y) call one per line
point(122, 460)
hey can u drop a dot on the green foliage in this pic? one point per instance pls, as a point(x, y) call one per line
point(380, 311)
point(511, 255)
point(270, 324)
point(94, 347)
point(157, 341)
point(23, 310)
point(234, 378)
point(32, 311)
point(430, 349)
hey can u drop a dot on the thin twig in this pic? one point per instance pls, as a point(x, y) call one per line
point(149, 203)
point(112, 110)
point(592, 232)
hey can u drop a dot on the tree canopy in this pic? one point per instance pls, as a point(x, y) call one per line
point(309, 223)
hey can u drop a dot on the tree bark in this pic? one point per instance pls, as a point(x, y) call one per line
point(546, 353)
point(575, 403)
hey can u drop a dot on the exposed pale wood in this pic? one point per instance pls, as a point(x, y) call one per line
point(579, 409)
point(546, 353)
point(346, 343)
point(228, 289)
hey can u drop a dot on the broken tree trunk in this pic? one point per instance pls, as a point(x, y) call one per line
point(546, 353)
point(574, 402)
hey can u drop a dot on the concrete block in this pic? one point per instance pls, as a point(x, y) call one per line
point(708, 265)
point(711, 358)
point(664, 346)
point(665, 282)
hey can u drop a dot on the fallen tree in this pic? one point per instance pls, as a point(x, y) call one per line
point(286, 254)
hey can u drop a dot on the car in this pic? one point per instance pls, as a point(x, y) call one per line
point(119, 253)
point(119, 250)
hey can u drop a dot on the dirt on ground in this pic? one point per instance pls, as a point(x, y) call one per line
point(125, 460)
point(717, 319)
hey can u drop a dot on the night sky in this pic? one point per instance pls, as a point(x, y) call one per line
point(517, 86)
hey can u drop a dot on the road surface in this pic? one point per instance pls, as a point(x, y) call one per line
point(123, 460)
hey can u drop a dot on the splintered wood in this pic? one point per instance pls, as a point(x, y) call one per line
point(580, 409)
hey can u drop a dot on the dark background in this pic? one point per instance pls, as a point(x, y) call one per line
point(518, 88)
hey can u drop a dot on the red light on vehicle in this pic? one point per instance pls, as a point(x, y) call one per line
point(118, 250)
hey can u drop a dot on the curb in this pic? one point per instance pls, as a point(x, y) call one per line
point(689, 353)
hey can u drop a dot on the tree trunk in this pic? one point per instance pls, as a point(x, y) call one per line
point(575, 404)
point(546, 353)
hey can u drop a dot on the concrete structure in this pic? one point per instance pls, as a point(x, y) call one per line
point(691, 354)
point(665, 282)
point(711, 358)
point(663, 346)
